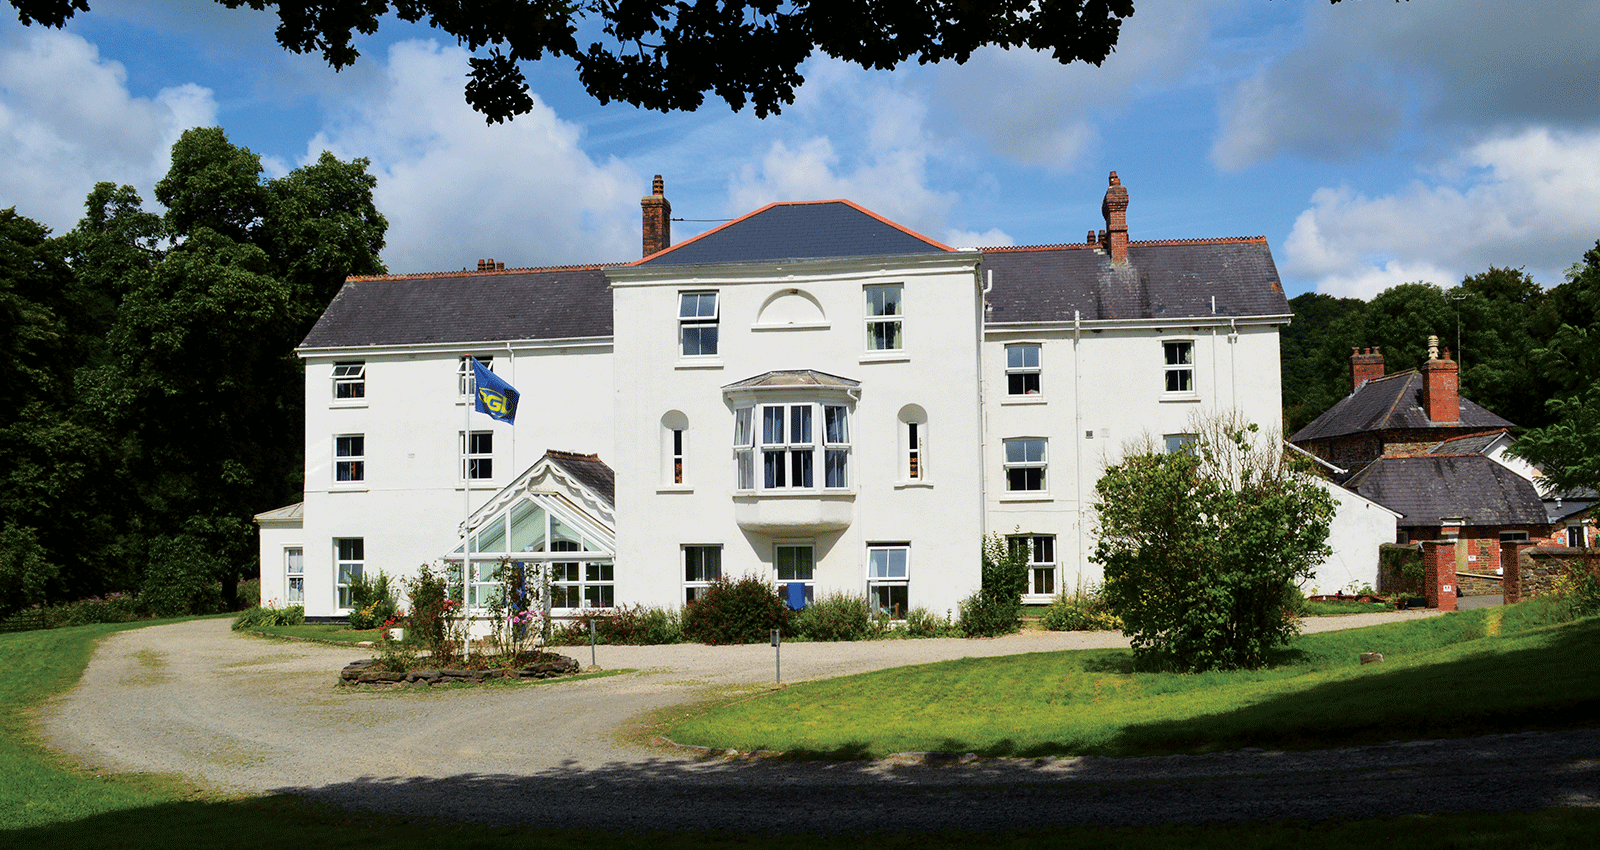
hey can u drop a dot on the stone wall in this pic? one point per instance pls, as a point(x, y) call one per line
point(1538, 566)
point(1479, 584)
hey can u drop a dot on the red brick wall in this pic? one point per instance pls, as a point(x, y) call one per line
point(1439, 574)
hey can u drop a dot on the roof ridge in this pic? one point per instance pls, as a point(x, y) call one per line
point(1142, 243)
point(580, 267)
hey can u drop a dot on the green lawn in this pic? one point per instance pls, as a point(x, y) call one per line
point(1090, 702)
point(46, 802)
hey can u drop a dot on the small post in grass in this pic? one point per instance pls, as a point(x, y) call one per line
point(777, 654)
point(592, 662)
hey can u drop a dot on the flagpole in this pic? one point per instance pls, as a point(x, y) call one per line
point(466, 512)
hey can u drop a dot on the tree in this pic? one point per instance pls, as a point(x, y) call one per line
point(666, 55)
point(1203, 549)
point(1567, 450)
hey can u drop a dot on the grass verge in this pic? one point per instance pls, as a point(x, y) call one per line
point(1443, 677)
point(46, 802)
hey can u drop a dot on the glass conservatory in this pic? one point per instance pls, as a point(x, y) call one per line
point(557, 546)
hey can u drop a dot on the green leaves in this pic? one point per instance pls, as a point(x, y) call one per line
point(1202, 549)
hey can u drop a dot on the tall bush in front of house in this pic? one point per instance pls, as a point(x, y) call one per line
point(743, 610)
point(996, 609)
point(1204, 549)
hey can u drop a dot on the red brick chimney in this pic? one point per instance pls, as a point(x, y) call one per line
point(1441, 389)
point(1365, 367)
point(1115, 210)
point(657, 219)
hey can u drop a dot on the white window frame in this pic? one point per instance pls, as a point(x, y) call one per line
point(693, 317)
point(1019, 370)
point(768, 431)
point(888, 582)
point(884, 320)
point(702, 566)
point(1178, 375)
point(1016, 457)
point(349, 382)
point(349, 561)
point(804, 573)
point(916, 463)
point(294, 575)
point(349, 458)
point(466, 381)
point(477, 460)
point(1041, 562)
point(679, 438)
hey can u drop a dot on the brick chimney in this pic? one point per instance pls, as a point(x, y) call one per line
point(1365, 367)
point(1441, 389)
point(1115, 210)
point(657, 219)
point(490, 265)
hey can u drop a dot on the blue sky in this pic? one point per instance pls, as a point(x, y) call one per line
point(1372, 142)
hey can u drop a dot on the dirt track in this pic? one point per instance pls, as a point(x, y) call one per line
point(255, 715)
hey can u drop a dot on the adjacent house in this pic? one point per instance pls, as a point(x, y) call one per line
point(1409, 442)
point(811, 394)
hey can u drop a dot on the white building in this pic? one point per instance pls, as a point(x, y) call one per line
point(810, 393)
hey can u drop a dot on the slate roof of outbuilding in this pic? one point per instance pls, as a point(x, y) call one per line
point(1429, 487)
point(1475, 444)
point(1388, 403)
point(466, 307)
point(1161, 280)
point(808, 230)
point(590, 471)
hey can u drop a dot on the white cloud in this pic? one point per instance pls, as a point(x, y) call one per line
point(67, 121)
point(1530, 199)
point(455, 189)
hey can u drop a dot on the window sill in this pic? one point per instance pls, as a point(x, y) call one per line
point(480, 484)
point(675, 488)
point(1029, 496)
point(709, 363)
point(1180, 397)
point(349, 488)
point(344, 404)
point(886, 357)
point(1024, 399)
point(913, 485)
point(794, 326)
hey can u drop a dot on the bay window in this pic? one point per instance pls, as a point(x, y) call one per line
point(791, 447)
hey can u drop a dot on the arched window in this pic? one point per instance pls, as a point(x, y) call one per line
point(913, 443)
point(674, 448)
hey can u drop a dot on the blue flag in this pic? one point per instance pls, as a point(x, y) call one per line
point(495, 397)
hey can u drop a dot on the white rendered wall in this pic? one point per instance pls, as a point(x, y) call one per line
point(275, 539)
point(1359, 527)
point(1102, 389)
point(412, 501)
point(805, 317)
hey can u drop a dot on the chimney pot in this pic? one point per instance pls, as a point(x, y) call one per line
point(657, 218)
point(1364, 366)
point(1090, 239)
point(1441, 385)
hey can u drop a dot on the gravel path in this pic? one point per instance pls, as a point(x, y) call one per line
point(254, 715)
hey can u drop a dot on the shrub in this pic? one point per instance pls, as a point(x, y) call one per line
point(182, 578)
point(1085, 609)
point(428, 592)
point(922, 623)
point(996, 609)
point(1400, 569)
point(250, 593)
point(257, 617)
point(838, 616)
point(741, 611)
point(639, 625)
point(371, 601)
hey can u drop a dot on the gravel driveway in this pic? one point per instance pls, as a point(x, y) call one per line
point(255, 715)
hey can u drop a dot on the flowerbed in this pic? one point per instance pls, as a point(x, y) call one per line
point(371, 673)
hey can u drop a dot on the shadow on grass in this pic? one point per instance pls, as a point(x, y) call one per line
point(668, 803)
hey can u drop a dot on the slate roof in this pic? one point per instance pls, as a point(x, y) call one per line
point(1161, 280)
point(466, 307)
point(807, 230)
point(1474, 444)
point(1432, 486)
point(590, 471)
point(1386, 403)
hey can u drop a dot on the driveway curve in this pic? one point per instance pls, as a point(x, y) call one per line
point(246, 714)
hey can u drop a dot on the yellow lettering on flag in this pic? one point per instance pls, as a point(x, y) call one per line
point(495, 402)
